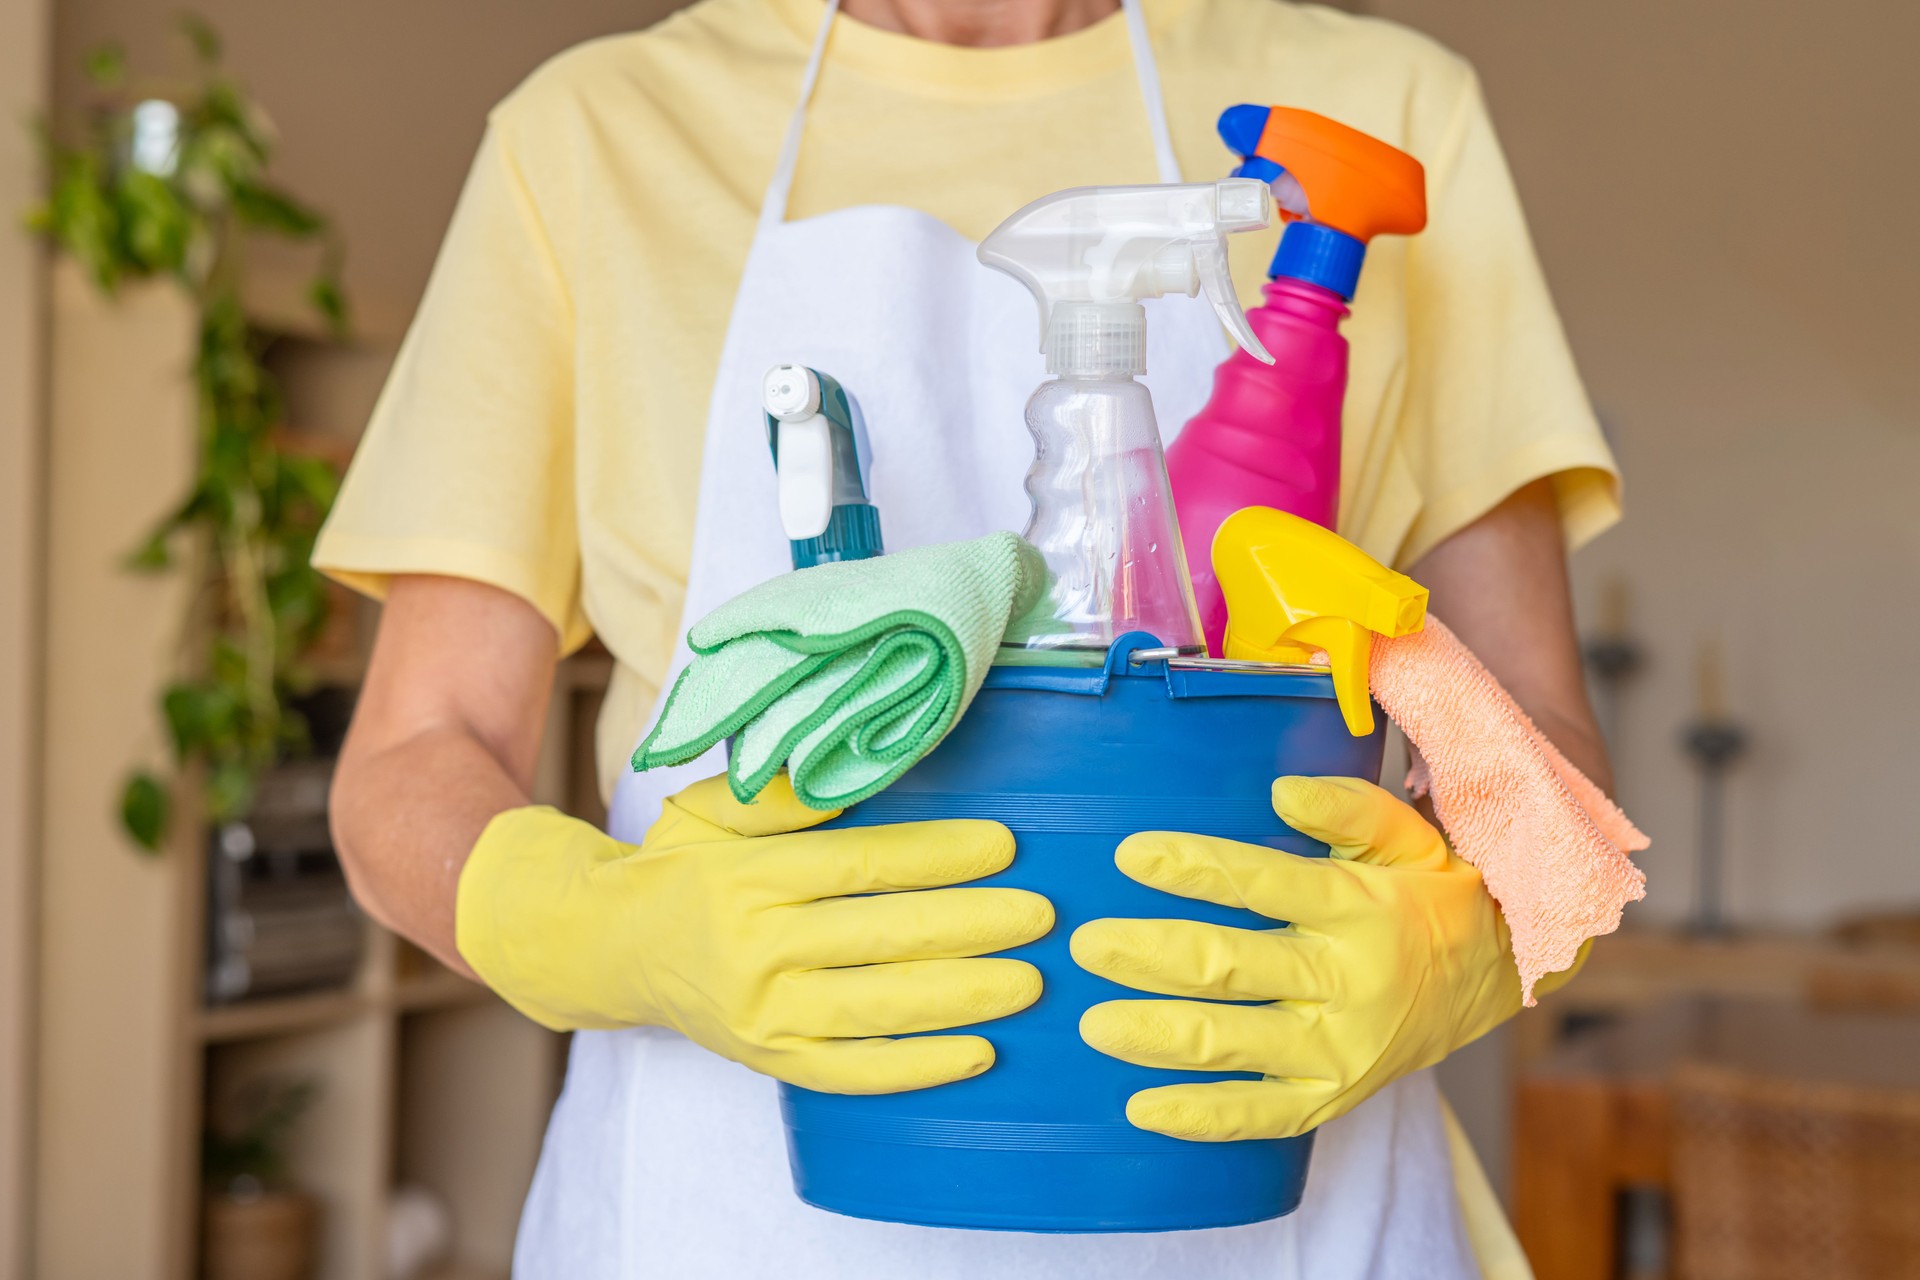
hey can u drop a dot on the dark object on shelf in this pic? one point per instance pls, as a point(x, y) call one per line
point(1714, 745)
point(1645, 1232)
point(1614, 657)
point(1614, 660)
point(1896, 928)
point(327, 711)
point(279, 916)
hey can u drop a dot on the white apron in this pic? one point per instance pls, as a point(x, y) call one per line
point(664, 1160)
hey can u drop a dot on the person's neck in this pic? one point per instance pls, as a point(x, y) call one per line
point(980, 23)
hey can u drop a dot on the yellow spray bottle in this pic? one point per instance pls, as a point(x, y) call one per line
point(1295, 591)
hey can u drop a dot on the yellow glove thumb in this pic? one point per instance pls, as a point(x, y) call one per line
point(711, 802)
point(1360, 822)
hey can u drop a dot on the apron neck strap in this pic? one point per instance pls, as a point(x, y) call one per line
point(1145, 66)
point(773, 205)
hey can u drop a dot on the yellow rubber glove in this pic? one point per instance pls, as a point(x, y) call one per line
point(1395, 957)
point(732, 926)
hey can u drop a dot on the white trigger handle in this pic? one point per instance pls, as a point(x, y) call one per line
point(1210, 264)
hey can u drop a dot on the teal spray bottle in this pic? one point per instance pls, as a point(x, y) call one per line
point(819, 443)
point(1102, 510)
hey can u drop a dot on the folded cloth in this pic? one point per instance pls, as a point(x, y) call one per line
point(846, 674)
point(1550, 845)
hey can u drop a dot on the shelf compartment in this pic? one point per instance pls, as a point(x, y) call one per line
point(480, 1171)
point(282, 1015)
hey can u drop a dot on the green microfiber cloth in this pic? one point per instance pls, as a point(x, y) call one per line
point(846, 674)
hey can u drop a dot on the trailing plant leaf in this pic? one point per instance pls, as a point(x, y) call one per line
point(309, 480)
point(263, 207)
point(80, 216)
point(155, 227)
point(106, 66)
point(153, 555)
point(204, 39)
point(325, 296)
point(229, 790)
point(144, 806)
point(172, 188)
point(202, 716)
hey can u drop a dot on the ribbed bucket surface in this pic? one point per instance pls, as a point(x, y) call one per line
point(1073, 761)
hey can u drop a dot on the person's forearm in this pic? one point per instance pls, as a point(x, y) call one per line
point(1501, 584)
point(445, 736)
point(405, 817)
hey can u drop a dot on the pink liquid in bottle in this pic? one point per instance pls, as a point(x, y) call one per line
point(1268, 437)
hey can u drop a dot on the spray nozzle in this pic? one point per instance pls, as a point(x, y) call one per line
point(1336, 186)
point(1295, 590)
point(1351, 181)
point(1090, 255)
point(818, 440)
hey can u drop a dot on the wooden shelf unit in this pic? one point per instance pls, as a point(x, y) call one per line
point(421, 1076)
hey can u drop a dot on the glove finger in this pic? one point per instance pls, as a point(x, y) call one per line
point(881, 1066)
point(1232, 1110)
point(1284, 886)
point(928, 924)
point(775, 811)
point(1207, 961)
point(899, 999)
point(1359, 821)
point(1185, 1035)
point(811, 865)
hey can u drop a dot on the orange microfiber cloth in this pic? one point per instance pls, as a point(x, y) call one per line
point(1550, 845)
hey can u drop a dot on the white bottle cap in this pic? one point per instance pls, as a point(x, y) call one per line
point(1097, 339)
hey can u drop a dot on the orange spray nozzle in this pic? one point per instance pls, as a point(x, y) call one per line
point(1353, 182)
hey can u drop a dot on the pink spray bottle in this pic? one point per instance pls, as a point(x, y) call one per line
point(1270, 434)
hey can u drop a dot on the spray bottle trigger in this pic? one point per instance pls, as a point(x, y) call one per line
point(1349, 650)
point(1210, 264)
point(805, 482)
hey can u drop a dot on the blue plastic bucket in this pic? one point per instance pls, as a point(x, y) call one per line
point(1073, 761)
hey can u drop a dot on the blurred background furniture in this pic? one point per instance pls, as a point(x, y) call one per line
point(1785, 1137)
point(1855, 964)
point(1782, 1178)
point(419, 1077)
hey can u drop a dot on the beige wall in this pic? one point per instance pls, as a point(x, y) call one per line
point(1723, 195)
point(23, 52)
point(380, 105)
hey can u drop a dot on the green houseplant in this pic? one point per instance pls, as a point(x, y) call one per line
point(169, 181)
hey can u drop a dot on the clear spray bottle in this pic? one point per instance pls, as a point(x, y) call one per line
point(1103, 513)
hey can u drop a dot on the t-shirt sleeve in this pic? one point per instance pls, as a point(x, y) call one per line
point(1493, 399)
point(467, 467)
